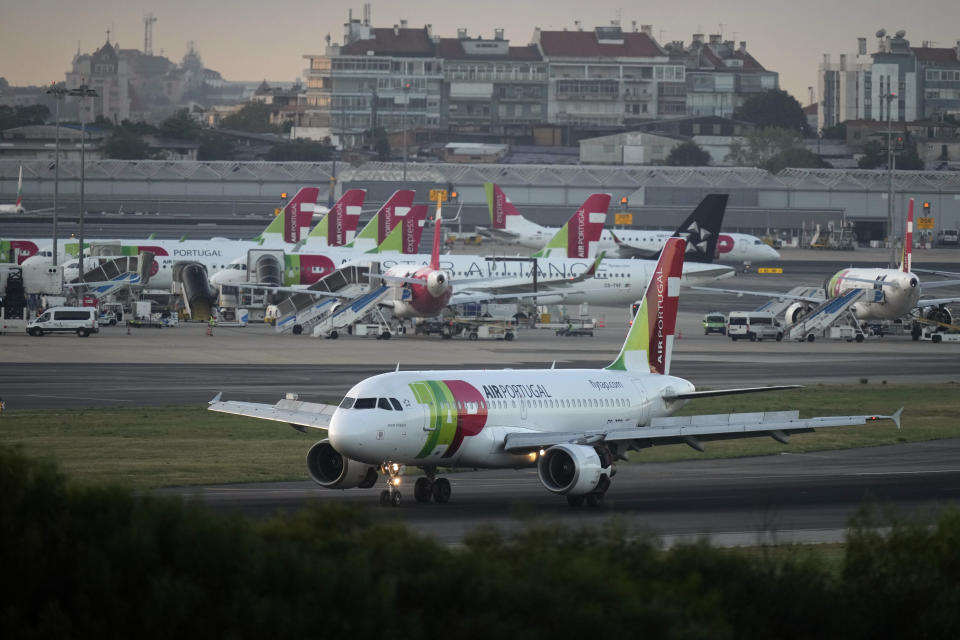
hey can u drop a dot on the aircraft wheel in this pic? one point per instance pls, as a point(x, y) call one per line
point(595, 500)
point(422, 490)
point(396, 499)
point(508, 336)
point(297, 329)
point(575, 501)
point(384, 498)
point(811, 338)
point(441, 491)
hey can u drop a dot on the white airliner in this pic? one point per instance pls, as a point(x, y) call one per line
point(571, 424)
point(890, 293)
point(574, 279)
point(506, 223)
point(18, 207)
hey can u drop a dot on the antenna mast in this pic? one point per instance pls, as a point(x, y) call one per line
point(148, 21)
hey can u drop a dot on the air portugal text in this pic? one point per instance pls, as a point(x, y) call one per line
point(515, 391)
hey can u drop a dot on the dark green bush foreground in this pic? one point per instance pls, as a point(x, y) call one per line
point(82, 561)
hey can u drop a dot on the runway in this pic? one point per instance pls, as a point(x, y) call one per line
point(786, 498)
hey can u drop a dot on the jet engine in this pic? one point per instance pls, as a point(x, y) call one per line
point(572, 469)
point(796, 311)
point(437, 283)
point(938, 314)
point(331, 470)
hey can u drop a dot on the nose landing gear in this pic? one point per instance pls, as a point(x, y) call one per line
point(391, 496)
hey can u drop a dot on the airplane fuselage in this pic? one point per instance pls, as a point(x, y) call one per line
point(460, 418)
point(893, 296)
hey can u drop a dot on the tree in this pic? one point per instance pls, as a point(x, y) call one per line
point(181, 126)
point(11, 117)
point(124, 144)
point(254, 117)
point(875, 156)
point(774, 149)
point(299, 151)
point(214, 146)
point(381, 143)
point(836, 132)
point(103, 122)
point(774, 108)
point(688, 154)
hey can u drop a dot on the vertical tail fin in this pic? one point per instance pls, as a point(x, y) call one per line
point(393, 211)
point(435, 254)
point(295, 216)
point(384, 220)
point(499, 205)
point(701, 229)
point(906, 264)
point(649, 343)
point(19, 208)
point(344, 217)
point(582, 230)
point(405, 235)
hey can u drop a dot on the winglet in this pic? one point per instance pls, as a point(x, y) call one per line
point(216, 398)
point(896, 417)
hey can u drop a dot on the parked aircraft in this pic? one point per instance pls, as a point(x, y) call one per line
point(887, 294)
point(571, 424)
point(507, 224)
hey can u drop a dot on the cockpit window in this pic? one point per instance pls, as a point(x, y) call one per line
point(365, 403)
point(396, 404)
point(384, 403)
point(347, 402)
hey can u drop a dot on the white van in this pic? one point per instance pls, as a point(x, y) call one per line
point(754, 325)
point(80, 320)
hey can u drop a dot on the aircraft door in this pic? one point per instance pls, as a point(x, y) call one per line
point(639, 401)
point(523, 408)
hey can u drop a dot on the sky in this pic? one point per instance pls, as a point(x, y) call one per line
point(252, 39)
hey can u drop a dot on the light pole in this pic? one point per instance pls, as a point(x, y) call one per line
point(891, 158)
point(83, 92)
point(57, 91)
point(406, 102)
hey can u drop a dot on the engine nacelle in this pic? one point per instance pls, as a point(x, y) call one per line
point(572, 469)
point(331, 470)
point(796, 311)
point(437, 283)
point(938, 314)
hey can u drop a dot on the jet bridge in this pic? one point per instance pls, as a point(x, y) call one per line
point(191, 283)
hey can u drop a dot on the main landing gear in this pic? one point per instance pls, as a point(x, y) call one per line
point(430, 487)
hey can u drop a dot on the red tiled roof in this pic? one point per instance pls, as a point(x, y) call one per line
point(936, 54)
point(585, 44)
point(403, 42)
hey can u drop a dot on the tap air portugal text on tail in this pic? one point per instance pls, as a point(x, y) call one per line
point(573, 425)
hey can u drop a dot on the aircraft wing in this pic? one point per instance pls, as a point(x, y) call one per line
point(778, 295)
point(296, 413)
point(464, 297)
point(627, 250)
point(269, 287)
point(936, 284)
point(946, 274)
point(935, 302)
point(693, 430)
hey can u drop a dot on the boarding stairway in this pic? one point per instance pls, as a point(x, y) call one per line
point(113, 274)
point(348, 313)
point(827, 314)
point(339, 290)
